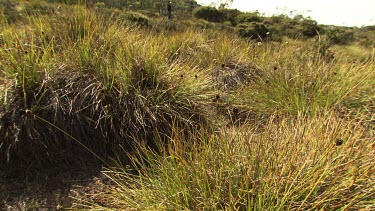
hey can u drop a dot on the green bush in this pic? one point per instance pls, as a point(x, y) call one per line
point(231, 15)
point(280, 26)
point(252, 30)
point(248, 17)
point(277, 19)
point(309, 28)
point(340, 36)
point(209, 14)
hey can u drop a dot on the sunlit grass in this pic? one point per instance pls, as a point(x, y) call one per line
point(303, 164)
point(183, 105)
point(106, 76)
point(293, 82)
point(353, 52)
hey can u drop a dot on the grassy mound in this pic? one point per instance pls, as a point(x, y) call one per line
point(98, 83)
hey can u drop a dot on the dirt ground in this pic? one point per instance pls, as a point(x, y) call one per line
point(25, 189)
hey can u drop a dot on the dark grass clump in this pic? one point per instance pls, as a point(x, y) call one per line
point(90, 89)
point(73, 113)
point(230, 76)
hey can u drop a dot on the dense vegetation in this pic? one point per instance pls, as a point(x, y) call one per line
point(232, 113)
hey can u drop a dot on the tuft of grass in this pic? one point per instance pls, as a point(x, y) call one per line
point(293, 82)
point(100, 81)
point(289, 165)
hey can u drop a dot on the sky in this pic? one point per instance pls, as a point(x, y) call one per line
point(330, 12)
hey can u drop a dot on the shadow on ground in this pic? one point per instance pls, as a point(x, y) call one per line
point(47, 187)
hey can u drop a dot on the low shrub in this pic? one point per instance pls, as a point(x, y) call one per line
point(248, 18)
point(209, 14)
point(257, 31)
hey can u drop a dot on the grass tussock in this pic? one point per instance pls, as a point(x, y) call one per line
point(303, 164)
point(119, 86)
